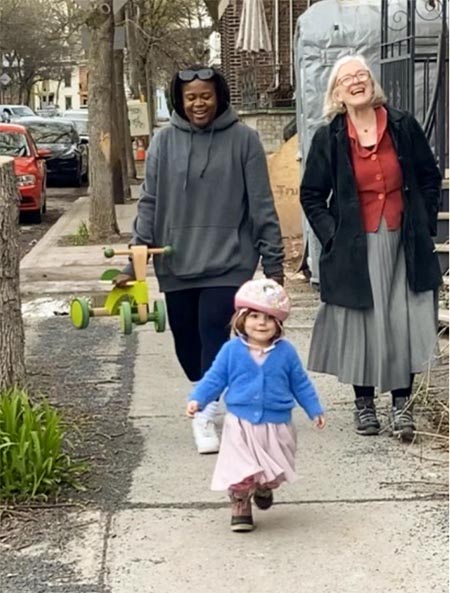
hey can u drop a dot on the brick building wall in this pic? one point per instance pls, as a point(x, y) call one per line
point(252, 77)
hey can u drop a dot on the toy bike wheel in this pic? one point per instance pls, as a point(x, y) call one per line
point(159, 315)
point(79, 313)
point(126, 320)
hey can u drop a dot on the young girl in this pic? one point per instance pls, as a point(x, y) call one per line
point(264, 377)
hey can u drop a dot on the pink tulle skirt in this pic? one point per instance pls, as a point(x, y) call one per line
point(264, 452)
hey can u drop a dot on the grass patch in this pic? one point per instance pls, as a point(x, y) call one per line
point(33, 460)
point(81, 237)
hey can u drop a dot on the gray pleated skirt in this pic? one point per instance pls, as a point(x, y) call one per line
point(382, 346)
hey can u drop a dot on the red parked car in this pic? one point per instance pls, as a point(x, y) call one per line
point(29, 167)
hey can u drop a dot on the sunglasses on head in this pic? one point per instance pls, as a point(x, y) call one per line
point(190, 75)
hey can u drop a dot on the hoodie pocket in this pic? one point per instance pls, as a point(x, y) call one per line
point(203, 251)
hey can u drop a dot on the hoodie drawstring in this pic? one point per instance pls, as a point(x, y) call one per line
point(188, 164)
point(208, 152)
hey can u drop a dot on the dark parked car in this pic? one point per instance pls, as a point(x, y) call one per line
point(81, 125)
point(68, 159)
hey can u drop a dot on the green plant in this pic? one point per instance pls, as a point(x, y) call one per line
point(32, 459)
point(81, 237)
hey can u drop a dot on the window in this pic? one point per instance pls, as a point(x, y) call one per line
point(68, 103)
point(21, 111)
point(68, 77)
point(12, 144)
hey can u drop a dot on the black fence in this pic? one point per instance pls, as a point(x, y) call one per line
point(414, 65)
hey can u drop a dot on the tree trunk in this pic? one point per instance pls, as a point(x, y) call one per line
point(120, 108)
point(131, 164)
point(103, 159)
point(133, 78)
point(151, 92)
point(142, 79)
point(12, 341)
point(116, 148)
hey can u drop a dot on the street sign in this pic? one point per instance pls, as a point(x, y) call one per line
point(138, 117)
point(5, 79)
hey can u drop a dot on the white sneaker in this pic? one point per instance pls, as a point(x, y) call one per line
point(205, 435)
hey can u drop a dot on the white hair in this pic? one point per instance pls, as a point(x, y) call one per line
point(331, 106)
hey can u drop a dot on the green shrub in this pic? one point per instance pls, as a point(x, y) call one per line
point(32, 459)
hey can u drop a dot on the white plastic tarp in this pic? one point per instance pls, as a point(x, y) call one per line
point(330, 29)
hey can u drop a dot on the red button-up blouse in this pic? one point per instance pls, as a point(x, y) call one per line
point(378, 177)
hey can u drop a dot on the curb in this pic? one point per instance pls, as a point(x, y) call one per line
point(59, 229)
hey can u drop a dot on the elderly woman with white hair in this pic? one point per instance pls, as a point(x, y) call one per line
point(371, 191)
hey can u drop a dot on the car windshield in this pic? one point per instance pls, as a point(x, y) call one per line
point(51, 132)
point(81, 126)
point(21, 111)
point(13, 144)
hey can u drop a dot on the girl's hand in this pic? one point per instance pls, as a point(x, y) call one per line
point(319, 422)
point(191, 408)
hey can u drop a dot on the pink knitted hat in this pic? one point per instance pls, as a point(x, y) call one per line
point(264, 295)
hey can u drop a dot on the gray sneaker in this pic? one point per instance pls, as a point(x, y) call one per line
point(401, 419)
point(366, 421)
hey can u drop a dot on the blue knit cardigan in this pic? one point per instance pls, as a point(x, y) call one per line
point(259, 393)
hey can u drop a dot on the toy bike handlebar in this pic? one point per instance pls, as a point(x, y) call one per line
point(110, 252)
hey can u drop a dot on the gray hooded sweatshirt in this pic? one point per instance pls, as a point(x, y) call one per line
point(207, 194)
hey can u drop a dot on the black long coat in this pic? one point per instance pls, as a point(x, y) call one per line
point(330, 201)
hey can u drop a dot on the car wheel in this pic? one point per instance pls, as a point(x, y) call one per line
point(36, 216)
point(86, 176)
point(77, 178)
point(44, 201)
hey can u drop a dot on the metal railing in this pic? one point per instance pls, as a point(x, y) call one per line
point(255, 96)
point(414, 66)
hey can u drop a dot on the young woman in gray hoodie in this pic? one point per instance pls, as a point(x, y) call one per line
point(207, 194)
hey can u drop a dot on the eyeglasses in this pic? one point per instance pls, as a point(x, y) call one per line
point(360, 76)
point(190, 75)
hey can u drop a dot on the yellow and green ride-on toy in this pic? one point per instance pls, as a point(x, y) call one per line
point(130, 302)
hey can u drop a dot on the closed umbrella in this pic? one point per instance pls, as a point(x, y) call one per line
point(253, 33)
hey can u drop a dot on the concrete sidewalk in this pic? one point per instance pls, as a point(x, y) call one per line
point(50, 267)
point(366, 514)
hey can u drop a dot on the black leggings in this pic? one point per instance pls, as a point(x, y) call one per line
point(369, 392)
point(200, 322)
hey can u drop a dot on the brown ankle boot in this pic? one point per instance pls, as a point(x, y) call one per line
point(241, 512)
point(263, 498)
